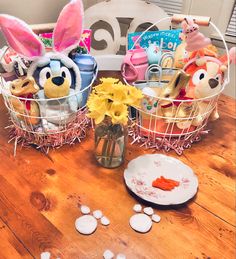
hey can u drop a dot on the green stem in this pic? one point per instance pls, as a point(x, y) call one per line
point(97, 143)
point(112, 151)
point(108, 147)
point(104, 150)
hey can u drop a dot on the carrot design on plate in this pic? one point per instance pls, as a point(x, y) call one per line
point(165, 184)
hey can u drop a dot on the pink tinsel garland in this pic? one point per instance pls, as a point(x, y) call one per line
point(75, 131)
point(165, 143)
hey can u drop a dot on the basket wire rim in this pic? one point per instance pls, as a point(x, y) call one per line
point(6, 92)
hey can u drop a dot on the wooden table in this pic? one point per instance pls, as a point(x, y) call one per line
point(40, 198)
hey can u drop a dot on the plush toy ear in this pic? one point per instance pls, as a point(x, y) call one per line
point(232, 56)
point(182, 36)
point(190, 21)
point(68, 30)
point(223, 68)
point(184, 25)
point(20, 37)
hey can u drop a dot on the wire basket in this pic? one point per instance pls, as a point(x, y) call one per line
point(57, 122)
point(159, 122)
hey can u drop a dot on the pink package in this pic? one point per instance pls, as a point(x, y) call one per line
point(85, 42)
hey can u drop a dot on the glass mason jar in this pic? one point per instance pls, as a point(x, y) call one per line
point(110, 144)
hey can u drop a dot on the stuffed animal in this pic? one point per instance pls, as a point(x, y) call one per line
point(194, 39)
point(26, 109)
point(232, 57)
point(55, 73)
point(58, 103)
point(12, 65)
point(182, 56)
point(206, 80)
point(194, 44)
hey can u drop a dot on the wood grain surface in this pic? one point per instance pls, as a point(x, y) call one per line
point(40, 197)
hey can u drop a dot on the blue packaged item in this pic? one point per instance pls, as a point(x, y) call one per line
point(165, 39)
point(87, 66)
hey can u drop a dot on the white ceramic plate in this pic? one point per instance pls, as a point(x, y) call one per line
point(143, 170)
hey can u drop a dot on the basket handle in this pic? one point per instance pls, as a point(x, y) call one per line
point(166, 56)
point(149, 69)
point(200, 20)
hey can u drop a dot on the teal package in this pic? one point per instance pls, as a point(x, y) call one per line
point(166, 39)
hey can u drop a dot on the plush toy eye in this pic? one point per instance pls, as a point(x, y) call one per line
point(218, 77)
point(198, 76)
point(48, 75)
point(44, 74)
point(66, 74)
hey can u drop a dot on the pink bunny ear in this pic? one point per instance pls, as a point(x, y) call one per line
point(69, 26)
point(190, 21)
point(20, 37)
point(184, 26)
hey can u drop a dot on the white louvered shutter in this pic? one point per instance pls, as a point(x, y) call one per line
point(231, 29)
point(169, 6)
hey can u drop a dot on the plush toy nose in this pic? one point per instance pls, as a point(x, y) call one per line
point(58, 80)
point(213, 83)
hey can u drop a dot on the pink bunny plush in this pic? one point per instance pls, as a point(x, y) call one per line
point(54, 72)
point(195, 40)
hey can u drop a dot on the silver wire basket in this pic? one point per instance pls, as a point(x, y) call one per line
point(153, 128)
point(54, 126)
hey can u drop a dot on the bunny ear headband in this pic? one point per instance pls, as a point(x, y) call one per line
point(66, 34)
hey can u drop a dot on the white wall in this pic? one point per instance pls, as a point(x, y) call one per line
point(32, 11)
point(35, 11)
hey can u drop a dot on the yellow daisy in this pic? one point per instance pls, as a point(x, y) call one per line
point(98, 107)
point(92, 101)
point(98, 117)
point(109, 80)
point(118, 93)
point(106, 85)
point(134, 96)
point(118, 113)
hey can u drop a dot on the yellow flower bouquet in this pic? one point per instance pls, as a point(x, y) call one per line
point(111, 98)
point(108, 106)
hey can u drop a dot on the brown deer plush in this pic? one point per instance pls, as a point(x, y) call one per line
point(26, 108)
